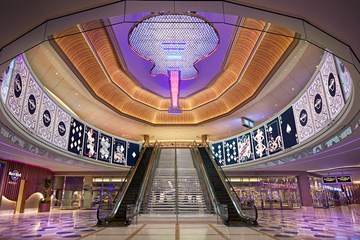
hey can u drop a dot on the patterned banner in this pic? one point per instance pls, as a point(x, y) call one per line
point(6, 79)
point(231, 151)
point(119, 152)
point(260, 143)
point(345, 78)
point(90, 142)
point(104, 149)
point(217, 150)
point(17, 87)
point(76, 136)
point(245, 148)
point(132, 153)
point(288, 128)
point(46, 119)
point(61, 128)
point(31, 104)
point(303, 119)
point(275, 142)
point(332, 86)
point(319, 108)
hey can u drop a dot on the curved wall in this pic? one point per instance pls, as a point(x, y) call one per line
point(35, 111)
point(314, 110)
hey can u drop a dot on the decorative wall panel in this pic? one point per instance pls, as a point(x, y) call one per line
point(46, 120)
point(61, 128)
point(76, 136)
point(231, 151)
point(345, 79)
point(133, 153)
point(259, 142)
point(318, 104)
point(217, 150)
point(104, 149)
point(288, 128)
point(119, 152)
point(90, 142)
point(245, 148)
point(31, 104)
point(17, 87)
point(275, 141)
point(332, 86)
point(303, 119)
point(6, 79)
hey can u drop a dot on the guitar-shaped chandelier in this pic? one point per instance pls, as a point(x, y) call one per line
point(174, 42)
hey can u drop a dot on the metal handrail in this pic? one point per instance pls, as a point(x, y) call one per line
point(215, 203)
point(122, 191)
point(230, 190)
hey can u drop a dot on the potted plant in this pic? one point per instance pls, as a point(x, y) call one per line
point(45, 202)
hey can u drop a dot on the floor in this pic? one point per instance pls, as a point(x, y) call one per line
point(306, 223)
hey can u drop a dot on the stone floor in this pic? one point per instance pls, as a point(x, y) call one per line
point(306, 223)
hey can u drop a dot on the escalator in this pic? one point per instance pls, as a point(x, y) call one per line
point(232, 214)
point(118, 215)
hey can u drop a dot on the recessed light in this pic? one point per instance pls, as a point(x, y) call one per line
point(56, 73)
point(275, 105)
point(293, 89)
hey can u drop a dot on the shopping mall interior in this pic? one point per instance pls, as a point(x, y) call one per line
point(179, 119)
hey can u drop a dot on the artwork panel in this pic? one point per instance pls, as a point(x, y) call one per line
point(231, 151)
point(90, 142)
point(259, 142)
point(245, 148)
point(105, 147)
point(275, 141)
point(345, 79)
point(46, 120)
point(318, 104)
point(119, 152)
point(61, 128)
point(6, 79)
point(133, 153)
point(31, 105)
point(303, 119)
point(17, 88)
point(217, 150)
point(288, 128)
point(76, 136)
point(332, 87)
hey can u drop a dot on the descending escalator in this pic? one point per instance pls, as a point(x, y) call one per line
point(234, 216)
point(129, 197)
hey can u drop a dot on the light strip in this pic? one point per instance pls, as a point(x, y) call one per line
point(174, 90)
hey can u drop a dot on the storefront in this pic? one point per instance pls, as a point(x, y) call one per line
point(22, 187)
point(85, 192)
point(268, 192)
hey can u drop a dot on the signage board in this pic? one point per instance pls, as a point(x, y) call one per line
point(343, 179)
point(327, 180)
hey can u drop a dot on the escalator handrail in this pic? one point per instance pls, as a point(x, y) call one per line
point(214, 201)
point(120, 196)
point(230, 189)
point(144, 184)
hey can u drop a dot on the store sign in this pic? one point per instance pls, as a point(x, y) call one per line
point(329, 180)
point(14, 175)
point(343, 179)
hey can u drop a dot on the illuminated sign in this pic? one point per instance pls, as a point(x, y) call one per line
point(247, 122)
point(343, 179)
point(329, 180)
point(14, 175)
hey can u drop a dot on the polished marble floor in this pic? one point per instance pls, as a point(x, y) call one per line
point(307, 223)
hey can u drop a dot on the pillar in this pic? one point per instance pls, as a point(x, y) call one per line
point(204, 139)
point(146, 139)
point(20, 203)
point(304, 189)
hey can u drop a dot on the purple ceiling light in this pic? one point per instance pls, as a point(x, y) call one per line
point(174, 43)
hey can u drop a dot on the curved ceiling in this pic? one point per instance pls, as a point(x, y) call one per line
point(91, 51)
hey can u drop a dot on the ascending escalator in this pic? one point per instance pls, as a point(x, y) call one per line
point(130, 195)
point(235, 215)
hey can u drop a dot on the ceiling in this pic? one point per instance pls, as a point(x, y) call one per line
point(59, 77)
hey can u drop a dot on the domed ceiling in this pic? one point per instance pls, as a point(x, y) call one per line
point(100, 55)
